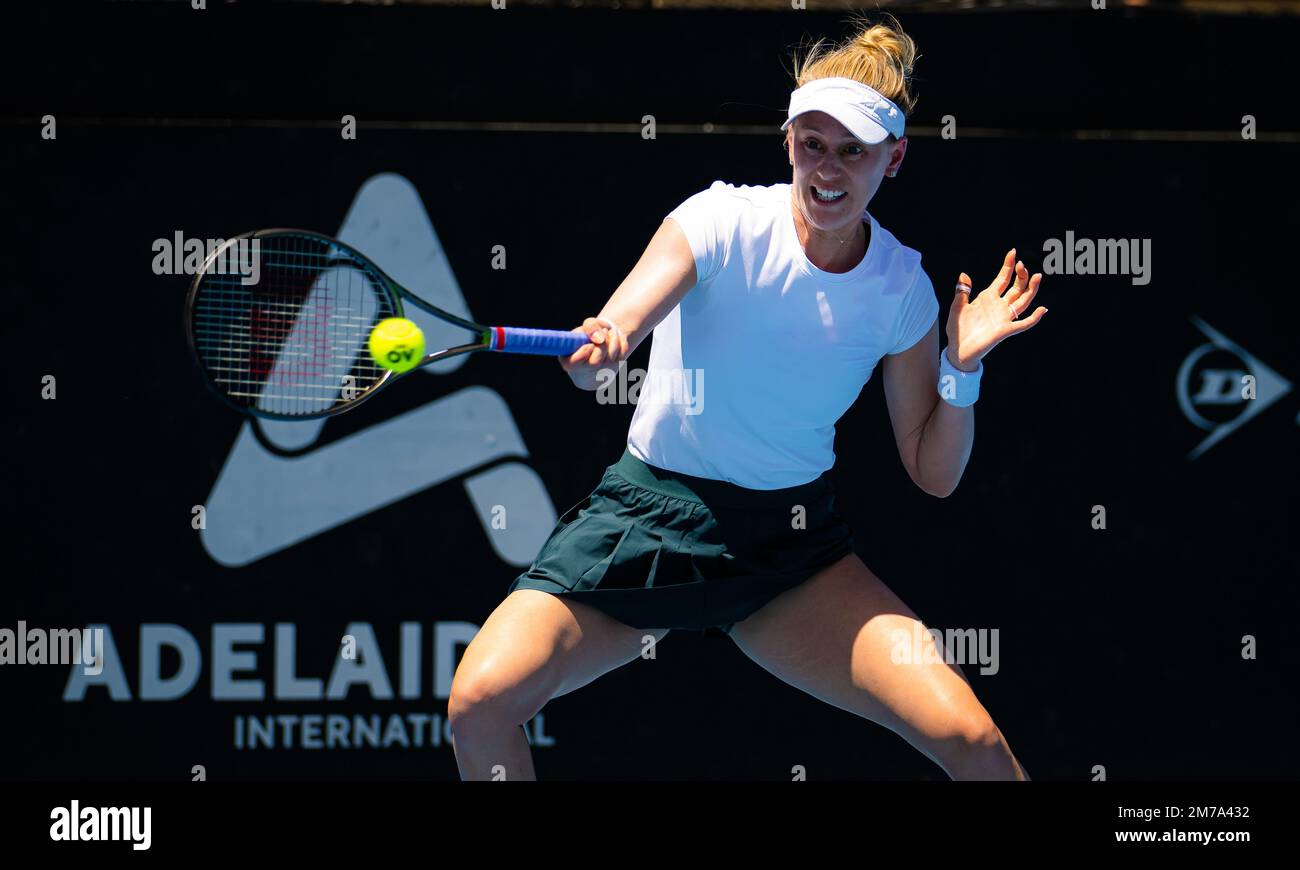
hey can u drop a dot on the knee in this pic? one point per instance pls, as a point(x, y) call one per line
point(481, 700)
point(971, 743)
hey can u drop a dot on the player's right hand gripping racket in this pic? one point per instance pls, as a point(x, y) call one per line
point(293, 346)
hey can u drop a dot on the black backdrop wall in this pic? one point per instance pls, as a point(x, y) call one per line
point(1119, 647)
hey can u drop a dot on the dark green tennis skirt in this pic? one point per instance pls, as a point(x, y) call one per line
point(657, 549)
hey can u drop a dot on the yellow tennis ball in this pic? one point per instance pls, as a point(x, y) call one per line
point(397, 344)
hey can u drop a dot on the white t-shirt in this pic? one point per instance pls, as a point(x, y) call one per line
point(751, 370)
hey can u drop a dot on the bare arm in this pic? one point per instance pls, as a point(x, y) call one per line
point(659, 280)
point(934, 438)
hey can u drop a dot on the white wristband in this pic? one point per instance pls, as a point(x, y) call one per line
point(955, 386)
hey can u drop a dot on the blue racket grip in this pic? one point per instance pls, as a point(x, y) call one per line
point(544, 342)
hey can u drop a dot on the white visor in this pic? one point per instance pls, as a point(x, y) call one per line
point(867, 113)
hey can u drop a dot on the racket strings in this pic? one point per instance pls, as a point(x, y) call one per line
point(294, 343)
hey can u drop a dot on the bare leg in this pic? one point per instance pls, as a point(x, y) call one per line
point(535, 646)
point(832, 637)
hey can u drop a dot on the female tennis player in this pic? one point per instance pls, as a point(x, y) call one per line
point(719, 516)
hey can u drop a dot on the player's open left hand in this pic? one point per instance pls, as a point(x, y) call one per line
point(976, 326)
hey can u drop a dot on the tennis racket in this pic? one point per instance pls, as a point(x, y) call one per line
point(293, 346)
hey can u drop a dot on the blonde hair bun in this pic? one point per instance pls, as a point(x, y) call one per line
point(879, 55)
